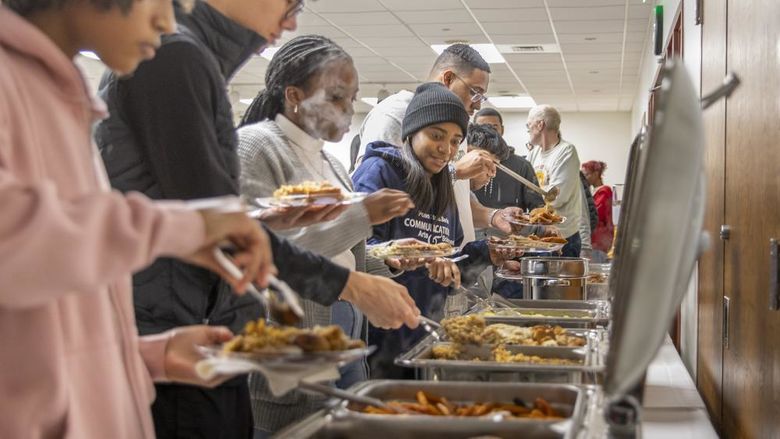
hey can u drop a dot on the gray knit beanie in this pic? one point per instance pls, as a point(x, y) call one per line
point(433, 103)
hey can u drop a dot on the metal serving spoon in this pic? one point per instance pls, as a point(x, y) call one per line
point(346, 396)
point(548, 195)
point(287, 312)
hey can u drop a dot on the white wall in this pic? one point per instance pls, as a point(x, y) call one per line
point(597, 136)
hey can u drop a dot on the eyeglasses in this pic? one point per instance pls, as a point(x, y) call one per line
point(295, 8)
point(476, 96)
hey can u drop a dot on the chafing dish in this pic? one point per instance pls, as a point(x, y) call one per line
point(589, 359)
point(554, 278)
point(343, 422)
point(564, 313)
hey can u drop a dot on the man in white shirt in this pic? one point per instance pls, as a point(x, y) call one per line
point(557, 165)
point(461, 69)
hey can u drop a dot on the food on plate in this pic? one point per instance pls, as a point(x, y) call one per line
point(597, 278)
point(431, 405)
point(311, 189)
point(411, 249)
point(542, 216)
point(551, 239)
point(472, 329)
point(260, 337)
point(531, 241)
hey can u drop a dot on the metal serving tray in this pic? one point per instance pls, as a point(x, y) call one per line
point(589, 370)
point(584, 314)
point(343, 422)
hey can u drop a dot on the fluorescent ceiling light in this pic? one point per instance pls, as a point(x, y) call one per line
point(370, 101)
point(246, 101)
point(488, 51)
point(90, 55)
point(269, 53)
point(512, 101)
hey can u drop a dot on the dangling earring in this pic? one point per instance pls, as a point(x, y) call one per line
point(295, 110)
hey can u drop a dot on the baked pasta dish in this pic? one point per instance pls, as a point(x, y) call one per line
point(260, 337)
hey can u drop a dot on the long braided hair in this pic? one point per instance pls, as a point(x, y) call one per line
point(293, 65)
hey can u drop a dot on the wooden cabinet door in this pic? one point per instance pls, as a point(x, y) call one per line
point(751, 365)
point(709, 375)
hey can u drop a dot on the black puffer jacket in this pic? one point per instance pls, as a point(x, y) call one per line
point(171, 136)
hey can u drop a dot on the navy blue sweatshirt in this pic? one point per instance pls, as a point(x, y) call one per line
point(382, 167)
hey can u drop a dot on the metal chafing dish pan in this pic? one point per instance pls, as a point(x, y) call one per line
point(564, 313)
point(344, 422)
point(482, 368)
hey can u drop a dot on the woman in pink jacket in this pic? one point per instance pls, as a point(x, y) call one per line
point(71, 364)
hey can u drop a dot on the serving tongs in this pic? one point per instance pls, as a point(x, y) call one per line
point(549, 195)
point(287, 311)
point(493, 302)
point(349, 396)
point(431, 326)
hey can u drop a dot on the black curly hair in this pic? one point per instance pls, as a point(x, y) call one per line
point(487, 138)
point(294, 64)
point(461, 58)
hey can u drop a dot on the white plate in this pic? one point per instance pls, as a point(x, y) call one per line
point(529, 246)
point(290, 357)
point(384, 251)
point(306, 200)
point(514, 220)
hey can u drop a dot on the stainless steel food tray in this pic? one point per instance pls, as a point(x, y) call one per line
point(342, 422)
point(584, 313)
point(420, 357)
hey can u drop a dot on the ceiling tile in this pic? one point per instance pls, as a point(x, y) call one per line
point(451, 16)
point(345, 6)
point(510, 14)
point(511, 28)
point(505, 4)
point(524, 39)
point(445, 30)
point(412, 5)
point(584, 26)
point(589, 13)
point(361, 18)
point(386, 30)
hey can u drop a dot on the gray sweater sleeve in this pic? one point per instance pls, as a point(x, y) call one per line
point(266, 164)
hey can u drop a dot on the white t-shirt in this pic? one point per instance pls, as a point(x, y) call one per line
point(560, 167)
point(383, 123)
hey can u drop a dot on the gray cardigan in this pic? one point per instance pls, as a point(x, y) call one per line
point(267, 162)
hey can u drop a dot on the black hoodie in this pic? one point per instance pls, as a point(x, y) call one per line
point(171, 136)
